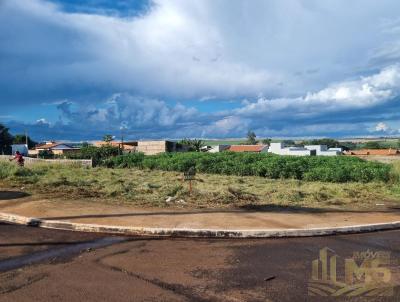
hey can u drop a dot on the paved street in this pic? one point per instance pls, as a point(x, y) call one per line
point(49, 265)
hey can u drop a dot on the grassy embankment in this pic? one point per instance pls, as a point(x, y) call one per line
point(142, 186)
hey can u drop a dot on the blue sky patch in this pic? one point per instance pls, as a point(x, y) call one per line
point(75, 70)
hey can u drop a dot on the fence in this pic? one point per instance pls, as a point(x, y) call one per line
point(33, 161)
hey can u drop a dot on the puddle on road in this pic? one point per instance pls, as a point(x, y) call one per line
point(63, 252)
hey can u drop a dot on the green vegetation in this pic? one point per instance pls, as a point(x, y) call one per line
point(46, 154)
point(289, 143)
point(316, 168)
point(383, 144)
point(251, 138)
point(223, 142)
point(108, 138)
point(5, 140)
point(192, 144)
point(266, 141)
point(97, 154)
point(143, 187)
point(21, 139)
point(372, 145)
point(331, 143)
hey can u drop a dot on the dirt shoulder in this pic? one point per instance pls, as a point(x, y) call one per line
point(161, 189)
point(272, 217)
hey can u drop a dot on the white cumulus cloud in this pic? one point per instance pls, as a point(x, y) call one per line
point(381, 127)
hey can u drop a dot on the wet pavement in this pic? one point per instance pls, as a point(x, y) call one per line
point(19, 240)
point(49, 265)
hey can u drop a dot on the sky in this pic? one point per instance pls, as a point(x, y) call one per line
point(76, 70)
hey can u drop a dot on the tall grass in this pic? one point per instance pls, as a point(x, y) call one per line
point(153, 187)
point(395, 172)
point(395, 178)
point(7, 170)
point(314, 168)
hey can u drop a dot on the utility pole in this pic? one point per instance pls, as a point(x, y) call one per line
point(122, 139)
point(2, 147)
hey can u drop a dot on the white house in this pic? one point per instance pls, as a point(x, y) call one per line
point(279, 148)
point(324, 151)
point(22, 148)
point(336, 149)
point(215, 149)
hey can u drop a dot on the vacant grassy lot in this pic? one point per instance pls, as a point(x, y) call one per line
point(308, 168)
point(145, 187)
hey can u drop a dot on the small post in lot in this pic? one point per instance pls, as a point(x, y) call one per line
point(189, 176)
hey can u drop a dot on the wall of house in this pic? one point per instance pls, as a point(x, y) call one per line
point(153, 147)
point(33, 152)
point(329, 153)
point(64, 151)
point(323, 150)
point(219, 148)
point(318, 148)
point(297, 152)
point(33, 161)
point(278, 148)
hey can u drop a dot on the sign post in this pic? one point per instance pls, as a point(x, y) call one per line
point(189, 176)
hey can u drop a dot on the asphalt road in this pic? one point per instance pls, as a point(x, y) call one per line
point(49, 265)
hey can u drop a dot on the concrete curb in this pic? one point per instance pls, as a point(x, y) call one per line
point(199, 233)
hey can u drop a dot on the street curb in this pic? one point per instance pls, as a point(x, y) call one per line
point(195, 233)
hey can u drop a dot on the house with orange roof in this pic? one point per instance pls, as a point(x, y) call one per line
point(248, 148)
point(53, 147)
point(373, 152)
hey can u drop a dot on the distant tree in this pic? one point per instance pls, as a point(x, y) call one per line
point(373, 145)
point(331, 143)
point(266, 141)
point(85, 144)
point(192, 144)
point(108, 138)
point(21, 139)
point(349, 146)
point(251, 138)
point(46, 154)
point(289, 142)
point(6, 140)
point(398, 143)
point(97, 154)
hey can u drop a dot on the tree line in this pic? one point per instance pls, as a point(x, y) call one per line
point(7, 139)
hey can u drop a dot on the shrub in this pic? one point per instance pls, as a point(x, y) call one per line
point(97, 154)
point(46, 154)
point(372, 145)
point(7, 169)
point(314, 168)
point(127, 161)
point(12, 170)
